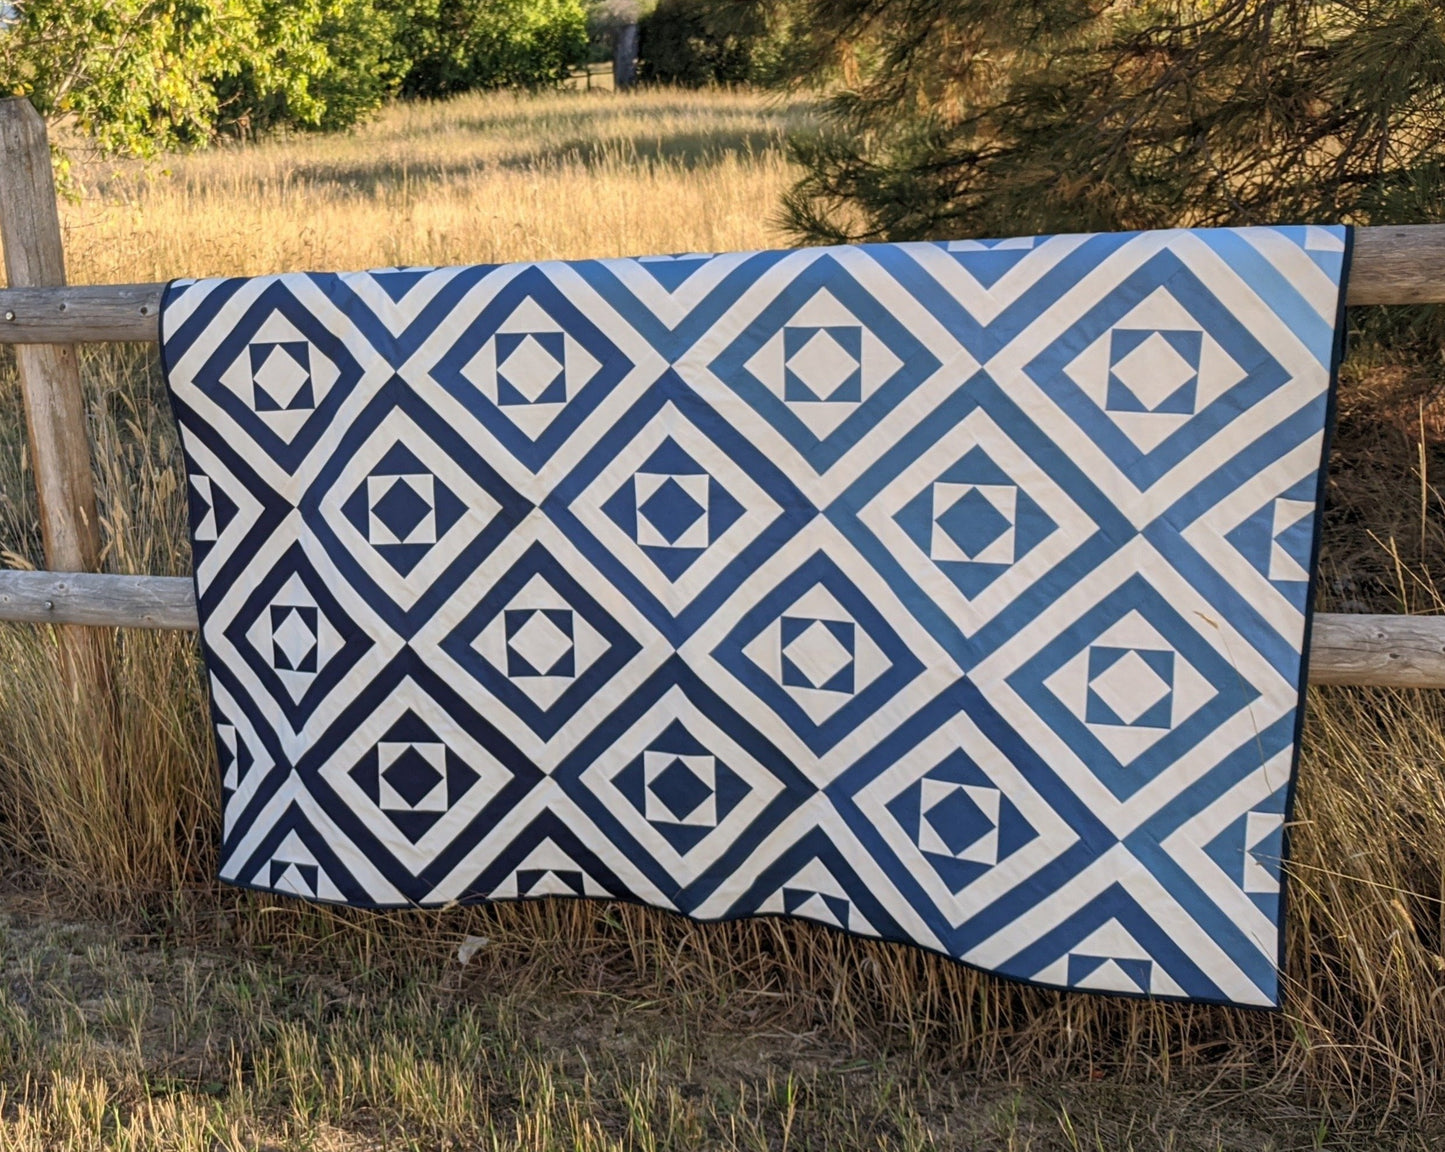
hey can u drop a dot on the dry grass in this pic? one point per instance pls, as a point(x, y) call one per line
point(130, 1043)
point(130, 835)
point(477, 180)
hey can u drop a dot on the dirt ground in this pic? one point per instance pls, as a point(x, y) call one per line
point(123, 1039)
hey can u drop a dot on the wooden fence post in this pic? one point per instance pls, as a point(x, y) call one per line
point(49, 373)
point(50, 382)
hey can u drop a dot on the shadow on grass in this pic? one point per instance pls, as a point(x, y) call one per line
point(691, 151)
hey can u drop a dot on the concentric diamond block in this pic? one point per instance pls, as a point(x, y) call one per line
point(677, 508)
point(686, 783)
point(295, 638)
point(824, 360)
point(407, 508)
point(540, 643)
point(281, 371)
point(530, 367)
point(1134, 685)
point(1165, 365)
point(981, 517)
point(819, 654)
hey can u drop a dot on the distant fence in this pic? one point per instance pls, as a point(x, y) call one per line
point(45, 319)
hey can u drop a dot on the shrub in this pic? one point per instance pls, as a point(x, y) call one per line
point(695, 43)
point(458, 45)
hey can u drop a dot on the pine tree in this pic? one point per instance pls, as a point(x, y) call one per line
point(966, 118)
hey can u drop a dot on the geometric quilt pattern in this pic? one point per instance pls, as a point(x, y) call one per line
point(954, 593)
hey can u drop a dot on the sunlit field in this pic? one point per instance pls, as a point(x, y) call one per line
point(142, 1006)
point(478, 180)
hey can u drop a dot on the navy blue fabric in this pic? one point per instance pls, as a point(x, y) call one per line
point(950, 593)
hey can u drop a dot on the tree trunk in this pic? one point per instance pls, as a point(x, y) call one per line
point(624, 57)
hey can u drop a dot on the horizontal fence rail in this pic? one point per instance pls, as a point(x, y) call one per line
point(1404, 265)
point(1397, 265)
point(104, 313)
point(99, 600)
point(1393, 651)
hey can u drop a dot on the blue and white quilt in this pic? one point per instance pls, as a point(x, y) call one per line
point(949, 593)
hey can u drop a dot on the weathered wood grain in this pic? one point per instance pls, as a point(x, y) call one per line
point(109, 313)
point(49, 372)
point(1404, 265)
point(1387, 651)
point(98, 600)
point(54, 406)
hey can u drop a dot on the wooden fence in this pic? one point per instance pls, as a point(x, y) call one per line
point(45, 319)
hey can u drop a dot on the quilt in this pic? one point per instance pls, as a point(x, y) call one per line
point(950, 593)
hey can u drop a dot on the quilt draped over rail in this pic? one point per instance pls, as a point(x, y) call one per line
point(951, 593)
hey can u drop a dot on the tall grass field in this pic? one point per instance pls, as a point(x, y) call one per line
point(144, 1006)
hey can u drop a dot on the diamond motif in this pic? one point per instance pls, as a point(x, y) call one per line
point(281, 374)
point(673, 506)
point(1132, 684)
point(540, 643)
point(295, 640)
point(681, 784)
point(414, 770)
point(413, 776)
point(823, 363)
point(957, 817)
point(971, 518)
point(539, 640)
point(294, 636)
point(1153, 368)
point(975, 523)
point(975, 602)
point(679, 844)
point(673, 509)
point(849, 660)
point(962, 817)
point(409, 512)
point(1191, 688)
point(817, 653)
point(1157, 340)
point(1131, 663)
point(402, 509)
point(532, 365)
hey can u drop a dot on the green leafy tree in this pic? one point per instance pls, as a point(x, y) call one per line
point(322, 64)
point(138, 75)
point(458, 45)
point(1002, 117)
